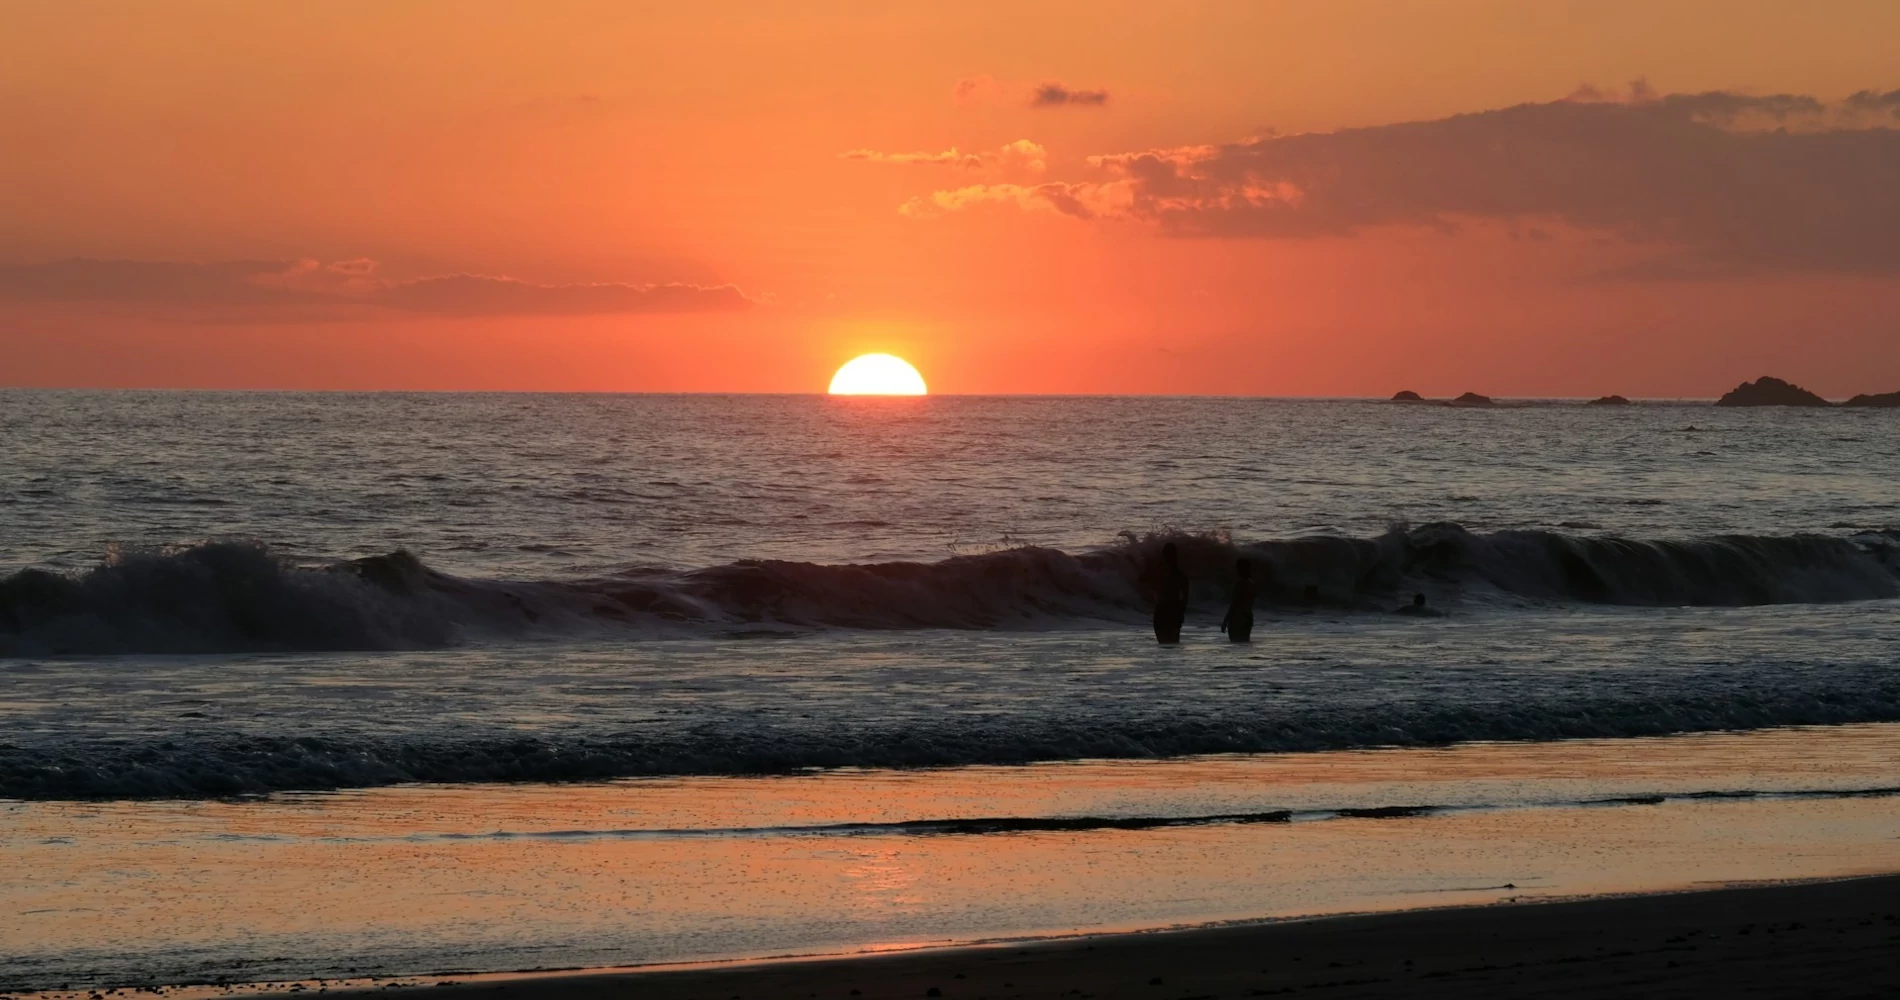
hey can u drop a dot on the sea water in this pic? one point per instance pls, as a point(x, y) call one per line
point(220, 611)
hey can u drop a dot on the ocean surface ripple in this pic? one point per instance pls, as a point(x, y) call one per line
point(212, 594)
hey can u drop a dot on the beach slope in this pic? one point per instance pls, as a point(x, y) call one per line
point(1834, 939)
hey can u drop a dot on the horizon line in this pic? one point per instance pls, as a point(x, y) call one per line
point(819, 393)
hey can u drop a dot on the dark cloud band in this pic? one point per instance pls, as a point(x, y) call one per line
point(346, 283)
point(1721, 182)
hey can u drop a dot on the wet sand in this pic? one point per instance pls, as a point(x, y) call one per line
point(362, 888)
point(1832, 939)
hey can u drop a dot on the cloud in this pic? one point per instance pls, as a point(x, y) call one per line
point(224, 283)
point(1871, 101)
point(344, 283)
point(1081, 201)
point(948, 158)
point(1716, 182)
point(1639, 91)
point(983, 88)
point(972, 89)
point(482, 295)
point(960, 199)
point(1021, 155)
point(1055, 95)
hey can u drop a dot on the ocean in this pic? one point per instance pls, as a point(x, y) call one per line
point(693, 660)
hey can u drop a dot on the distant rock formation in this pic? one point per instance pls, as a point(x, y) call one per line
point(1886, 399)
point(1407, 396)
point(1770, 391)
point(1610, 401)
point(1471, 399)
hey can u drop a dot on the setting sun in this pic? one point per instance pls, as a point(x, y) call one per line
point(877, 375)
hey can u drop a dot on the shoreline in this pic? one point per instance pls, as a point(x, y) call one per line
point(1773, 939)
point(529, 893)
point(1769, 939)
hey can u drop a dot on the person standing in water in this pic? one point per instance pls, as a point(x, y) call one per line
point(1239, 621)
point(1419, 609)
point(1171, 602)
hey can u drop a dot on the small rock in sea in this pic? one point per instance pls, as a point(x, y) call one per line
point(1610, 401)
point(1472, 399)
point(1407, 396)
point(1770, 391)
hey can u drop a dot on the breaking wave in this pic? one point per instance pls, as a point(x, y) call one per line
point(240, 597)
point(210, 764)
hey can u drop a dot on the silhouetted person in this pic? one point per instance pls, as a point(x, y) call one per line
point(1418, 609)
point(1171, 603)
point(1239, 621)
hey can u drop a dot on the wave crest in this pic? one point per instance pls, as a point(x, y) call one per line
point(240, 597)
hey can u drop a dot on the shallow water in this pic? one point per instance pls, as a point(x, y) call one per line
point(432, 879)
point(215, 725)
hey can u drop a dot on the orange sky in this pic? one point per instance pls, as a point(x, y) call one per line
point(476, 195)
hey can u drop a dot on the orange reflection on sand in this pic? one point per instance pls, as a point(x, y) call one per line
point(883, 881)
point(417, 879)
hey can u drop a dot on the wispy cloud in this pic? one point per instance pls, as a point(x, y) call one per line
point(1056, 95)
point(1019, 155)
point(1082, 201)
point(1725, 182)
point(973, 89)
point(303, 283)
point(984, 89)
point(948, 158)
point(1875, 102)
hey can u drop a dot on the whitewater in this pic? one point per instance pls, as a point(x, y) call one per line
point(207, 594)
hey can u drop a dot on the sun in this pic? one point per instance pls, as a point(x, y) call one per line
point(877, 375)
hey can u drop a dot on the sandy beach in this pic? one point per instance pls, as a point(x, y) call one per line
point(1830, 939)
point(459, 881)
